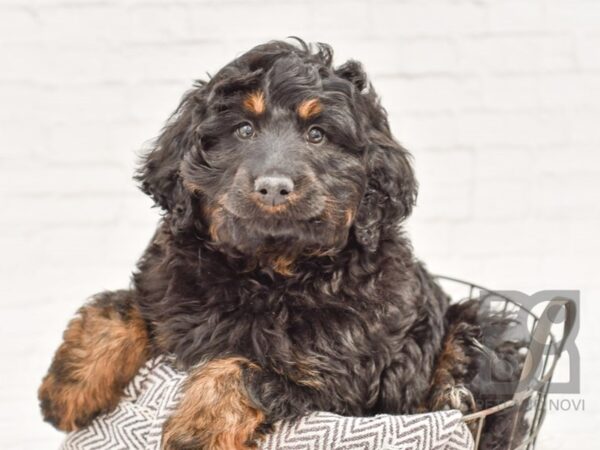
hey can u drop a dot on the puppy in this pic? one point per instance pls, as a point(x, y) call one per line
point(279, 275)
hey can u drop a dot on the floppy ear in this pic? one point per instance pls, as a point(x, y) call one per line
point(158, 173)
point(391, 190)
point(391, 186)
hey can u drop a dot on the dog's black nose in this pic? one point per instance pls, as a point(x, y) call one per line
point(274, 190)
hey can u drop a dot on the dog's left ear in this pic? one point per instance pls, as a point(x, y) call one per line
point(391, 190)
point(391, 185)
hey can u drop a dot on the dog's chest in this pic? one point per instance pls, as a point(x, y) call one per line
point(308, 332)
point(305, 335)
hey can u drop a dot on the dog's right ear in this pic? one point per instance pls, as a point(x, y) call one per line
point(158, 173)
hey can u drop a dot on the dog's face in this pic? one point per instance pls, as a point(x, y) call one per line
point(282, 162)
point(281, 155)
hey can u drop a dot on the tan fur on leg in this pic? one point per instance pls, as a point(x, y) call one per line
point(215, 411)
point(103, 348)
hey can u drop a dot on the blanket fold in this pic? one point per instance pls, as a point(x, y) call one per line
point(137, 422)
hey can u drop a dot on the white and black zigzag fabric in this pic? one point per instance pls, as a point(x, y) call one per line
point(137, 423)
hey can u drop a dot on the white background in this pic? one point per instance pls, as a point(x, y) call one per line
point(499, 101)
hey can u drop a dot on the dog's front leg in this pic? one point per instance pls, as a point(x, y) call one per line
point(216, 411)
point(103, 348)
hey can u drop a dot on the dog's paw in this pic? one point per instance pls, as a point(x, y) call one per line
point(215, 412)
point(187, 433)
point(454, 397)
point(66, 405)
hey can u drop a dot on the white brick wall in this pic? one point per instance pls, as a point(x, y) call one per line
point(498, 100)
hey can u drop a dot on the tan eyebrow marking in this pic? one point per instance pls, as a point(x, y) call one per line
point(309, 108)
point(255, 102)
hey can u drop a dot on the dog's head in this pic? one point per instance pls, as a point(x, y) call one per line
point(281, 154)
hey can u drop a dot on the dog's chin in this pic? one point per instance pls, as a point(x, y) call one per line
point(311, 208)
point(278, 233)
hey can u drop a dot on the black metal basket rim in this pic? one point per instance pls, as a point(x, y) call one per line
point(477, 286)
point(536, 318)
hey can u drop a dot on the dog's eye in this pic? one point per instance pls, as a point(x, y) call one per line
point(245, 130)
point(315, 135)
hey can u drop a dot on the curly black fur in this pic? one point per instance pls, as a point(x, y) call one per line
point(325, 295)
point(355, 326)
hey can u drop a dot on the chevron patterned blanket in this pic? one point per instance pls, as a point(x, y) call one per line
point(136, 424)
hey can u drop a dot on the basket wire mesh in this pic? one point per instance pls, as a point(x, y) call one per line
point(528, 404)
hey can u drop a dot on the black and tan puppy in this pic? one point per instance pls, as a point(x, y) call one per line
point(278, 275)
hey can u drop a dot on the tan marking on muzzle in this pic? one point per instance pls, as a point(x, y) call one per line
point(274, 209)
point(215, 216)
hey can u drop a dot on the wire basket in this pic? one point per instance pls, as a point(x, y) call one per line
point(527, 407)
